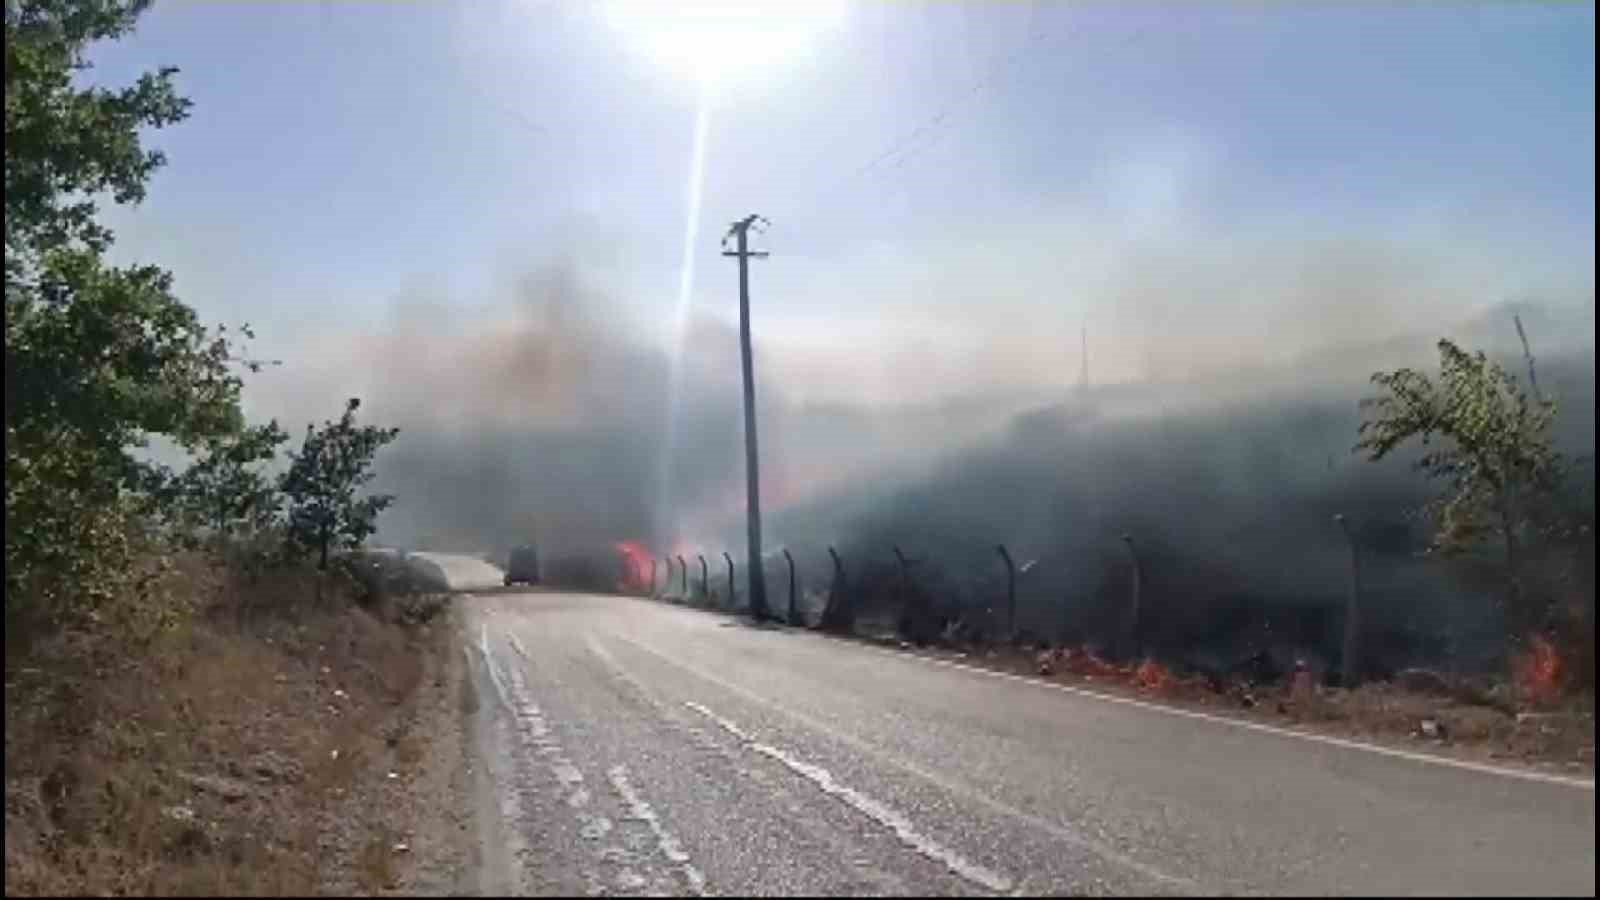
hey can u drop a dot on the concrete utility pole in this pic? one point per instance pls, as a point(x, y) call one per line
point(740, 231)
point(1083, 358)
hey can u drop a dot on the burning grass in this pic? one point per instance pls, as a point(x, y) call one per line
point(1543, 714)
point(1543, 724)
point(1537, 671)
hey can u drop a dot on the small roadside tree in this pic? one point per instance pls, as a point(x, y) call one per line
point(320, 488)
point(1489, 441)
point(226, 490)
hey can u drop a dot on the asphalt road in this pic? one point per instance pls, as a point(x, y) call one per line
point(633, 747)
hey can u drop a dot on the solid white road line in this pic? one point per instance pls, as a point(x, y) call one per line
point(1413, 756)
point(1345, 743)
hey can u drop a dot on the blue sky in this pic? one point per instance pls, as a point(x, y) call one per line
point(1192, 181)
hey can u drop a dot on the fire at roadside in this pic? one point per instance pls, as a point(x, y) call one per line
point(1527, 719)
point(637, 563)
point(1532, 716)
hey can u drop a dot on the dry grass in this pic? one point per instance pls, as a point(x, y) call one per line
point(202, 759)
point(376, 864)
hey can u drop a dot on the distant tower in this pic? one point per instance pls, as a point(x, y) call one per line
point(1083, 374)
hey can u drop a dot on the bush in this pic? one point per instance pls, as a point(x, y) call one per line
point(334, 462)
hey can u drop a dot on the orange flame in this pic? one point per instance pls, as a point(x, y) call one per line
point(636, 565)
point(1153, 676)
point(1080, 661)
point(1538, 671)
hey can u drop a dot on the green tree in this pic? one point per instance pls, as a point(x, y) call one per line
point(324, 477)
point(1488, 440)
point(97, 358)
point(226, 490)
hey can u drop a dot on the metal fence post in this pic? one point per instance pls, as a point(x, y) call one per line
point(1136, 631)
point(834, 613)
point(794, 618)
point(1011, 592)
point(1352, 610)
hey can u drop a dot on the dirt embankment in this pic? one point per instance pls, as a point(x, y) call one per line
point(314, 747)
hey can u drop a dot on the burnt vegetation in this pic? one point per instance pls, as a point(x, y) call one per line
point(1243, 571)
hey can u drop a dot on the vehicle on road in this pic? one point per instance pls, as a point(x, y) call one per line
point(523, 566)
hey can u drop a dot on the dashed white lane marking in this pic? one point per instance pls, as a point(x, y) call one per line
point(536, 731)
point(881, 882)
point(494, 673)
point(640, 811)
point(1345, 743)
point(533, 731)
point(1055, 830)
point(869, 807)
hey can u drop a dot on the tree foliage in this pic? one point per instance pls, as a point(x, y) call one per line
point(227, 490)
point(1485, 437)
point(66, 144)
point(323, 481)
point(97, 357)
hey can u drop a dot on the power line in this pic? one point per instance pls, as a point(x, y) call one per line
point(932, 131)
point(933, 126)
point(463, 74)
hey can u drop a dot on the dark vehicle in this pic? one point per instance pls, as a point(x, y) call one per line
point(523, 567)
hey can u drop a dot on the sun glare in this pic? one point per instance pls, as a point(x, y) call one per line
point(709, 41)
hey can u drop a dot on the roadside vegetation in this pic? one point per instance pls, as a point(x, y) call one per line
point(202, 669)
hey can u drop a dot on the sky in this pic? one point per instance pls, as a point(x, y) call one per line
point(495, 216)
point(977, 180)
point(497, 223)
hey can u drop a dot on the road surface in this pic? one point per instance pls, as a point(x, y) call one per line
point(633, 747)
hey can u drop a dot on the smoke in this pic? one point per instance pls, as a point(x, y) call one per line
point(1228, 486)
point(1217, 433)
point(543, 418)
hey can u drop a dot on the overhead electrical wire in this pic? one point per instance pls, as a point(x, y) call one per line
point(933, 128)
point(930, 132)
